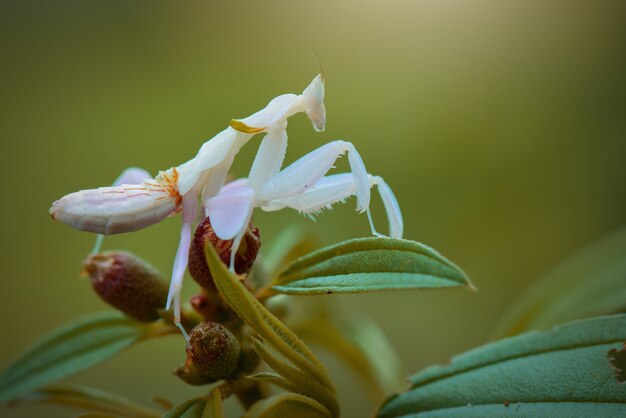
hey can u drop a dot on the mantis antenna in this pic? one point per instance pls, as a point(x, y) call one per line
point(317, 59)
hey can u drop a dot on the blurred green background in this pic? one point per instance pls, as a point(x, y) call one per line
point(501, 127)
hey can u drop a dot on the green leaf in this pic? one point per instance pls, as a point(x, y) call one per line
point(558, 373)
point(213, 407)
point(361, 345)
point(296, 380)
point(590, 283)
point(287, 405)
point(294, 242)
point(527, 410)
point(267, 326)
point(369, 265)
point(77, 346)
point(276, 380)
point(210, 407)
point(91, 399)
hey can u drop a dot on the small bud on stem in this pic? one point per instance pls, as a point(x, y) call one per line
point(246, 254)
point(213, 350)
point(127, 283)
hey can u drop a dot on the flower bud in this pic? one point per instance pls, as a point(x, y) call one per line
point(127, 283)
point(213, 350)
point(246, 254)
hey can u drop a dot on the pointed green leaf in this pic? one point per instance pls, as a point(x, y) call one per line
point(213, 408)
point(369, 265)
point(91, 399)
point(77, 346)
point(558, 372)
point(210, 407)
point(267, 326)
point(287, 405)
point(592, 282)
point(299, 382)
point(361, 345)
point(276, 380)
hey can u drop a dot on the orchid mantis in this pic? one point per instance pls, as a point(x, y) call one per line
point(128, 206)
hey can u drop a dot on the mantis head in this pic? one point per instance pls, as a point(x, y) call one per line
point(313, 98)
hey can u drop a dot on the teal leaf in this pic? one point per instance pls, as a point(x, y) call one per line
point(555, 373)
point(74, 347)
point(369, 265)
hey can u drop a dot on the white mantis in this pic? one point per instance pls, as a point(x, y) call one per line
point(129, 206)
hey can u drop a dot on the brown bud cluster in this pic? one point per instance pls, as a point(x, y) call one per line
point(127, 283)
point(246, 254)
point(213, 350)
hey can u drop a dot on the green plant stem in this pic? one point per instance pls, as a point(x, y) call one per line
point(251, 394)
point(264, 293)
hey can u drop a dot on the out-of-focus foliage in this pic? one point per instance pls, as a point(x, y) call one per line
point(74, 347)
point(592, 282)
point(360, 345)
point(91, 399)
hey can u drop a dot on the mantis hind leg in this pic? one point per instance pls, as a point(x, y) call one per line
point(311, 168)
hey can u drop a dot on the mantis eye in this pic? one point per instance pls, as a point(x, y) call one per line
point(313, 97)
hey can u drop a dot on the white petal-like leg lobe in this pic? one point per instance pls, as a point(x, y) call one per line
point(132, 175)
point(266, 118)
point(308, 170)
point(335, 189)
point(230, 211)
point(313, 97)
point(326, 192)
point(190, 204)
point(270, 156)
point(360, 179)
point(394, 215)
